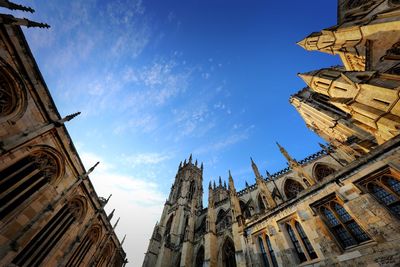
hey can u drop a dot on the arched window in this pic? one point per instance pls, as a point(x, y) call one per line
point(201, 229)
point(12, 98)
point(263, 252)
point(168, 226)
point(321, 171)
point(200, 257)
point(24, 178)
point(343, 227)
point(300, 241)
point(192, 188)
point(245, 209)
point(271, 251)
point(292, 188)
point(306, 242)
point(261, 205)
point(385, 187)
point(296, 243)
point(105, 255)
point(228, 254)
point(267, 252)
point(223, 220)
point(85, 245)
point(34, 253)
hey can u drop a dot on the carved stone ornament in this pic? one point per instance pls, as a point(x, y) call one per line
point(46, 164)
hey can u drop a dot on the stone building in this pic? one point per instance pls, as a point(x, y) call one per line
point(50, 214)
point(339, 206)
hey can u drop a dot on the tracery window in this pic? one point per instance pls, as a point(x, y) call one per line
point(228, 254)
point(200, 257)
point(35, 252)
point(385, 187)
point(245, 209)
point(223, 220)
point(321, 171)
point(261, 205)
point(24, 178)
point(343, 227)
point(292, 188)
point(8, 97)
point(300, 241)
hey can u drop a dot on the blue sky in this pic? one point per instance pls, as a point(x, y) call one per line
point(158, 80)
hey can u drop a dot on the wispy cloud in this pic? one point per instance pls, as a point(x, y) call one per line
point(225, 142)
point(146, 159)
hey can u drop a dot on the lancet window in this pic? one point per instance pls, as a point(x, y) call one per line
point(200, 257)
point(85, 245)
point(267, 252)
point(192, 188)
point(24, 178)
point(35, 252)
point(300, 241)
point(343, 226)
point(385, 187)
point(245, 209)
point(228, 254)
point(261, 206)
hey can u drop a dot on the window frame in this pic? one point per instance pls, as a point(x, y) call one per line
point(388, 170)
point(326, 203)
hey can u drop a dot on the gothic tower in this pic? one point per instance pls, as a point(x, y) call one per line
point(172, 240)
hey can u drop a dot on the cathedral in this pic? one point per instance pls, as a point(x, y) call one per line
point(337, 207)
point(50, 214)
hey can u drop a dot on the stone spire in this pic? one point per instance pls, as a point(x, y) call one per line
point(255, 169)
point(292, 162)
point(220, 182)
point(295, 166)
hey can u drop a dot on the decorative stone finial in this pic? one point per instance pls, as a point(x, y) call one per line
point(10, 20)
point(13, 6)
point(109, 217)
point(116, 223)
point(123, 240)
point(85, 175)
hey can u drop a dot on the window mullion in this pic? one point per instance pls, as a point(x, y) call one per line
point(266, 248)
point(388, 189)
point(300, 240)
point(344, 224)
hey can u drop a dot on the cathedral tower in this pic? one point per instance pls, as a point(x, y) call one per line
point(173, 236)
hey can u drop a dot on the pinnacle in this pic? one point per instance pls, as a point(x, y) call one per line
point(307, 77)
point(302, 43)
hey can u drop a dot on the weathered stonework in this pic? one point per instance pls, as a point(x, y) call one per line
point(50, 214)
point(338, 207)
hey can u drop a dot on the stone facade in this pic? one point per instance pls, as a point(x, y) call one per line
point(339, 206)
point(50, 214)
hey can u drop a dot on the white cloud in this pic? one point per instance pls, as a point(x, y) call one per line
point(146, 159)
point(137, 201)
